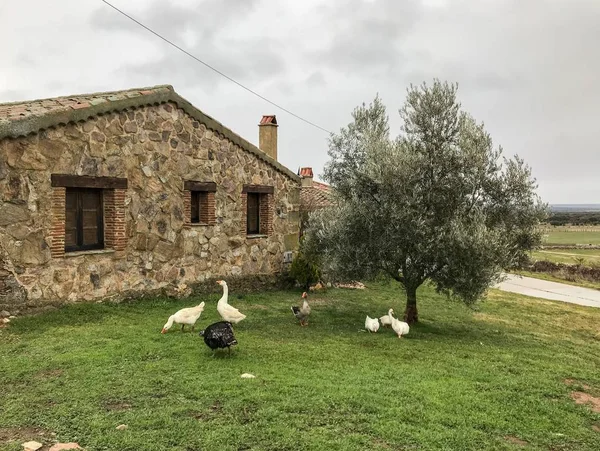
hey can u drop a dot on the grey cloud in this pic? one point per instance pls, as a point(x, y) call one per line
point(206, 18)
point(24, 60)
point(249, 62)
point(366, 35)
point(316, 79)
point(528, 69)
point(12, 95)
point(245, 60)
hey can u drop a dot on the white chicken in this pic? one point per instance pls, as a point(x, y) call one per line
point(372, 324)
point(184, 316)
point(227, 312)
point(386, 320)
point(400, 327)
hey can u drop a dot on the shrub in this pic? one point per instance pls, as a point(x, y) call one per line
point(305, 270)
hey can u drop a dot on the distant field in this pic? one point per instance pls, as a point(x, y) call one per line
point(569, 256)
point(572, 235)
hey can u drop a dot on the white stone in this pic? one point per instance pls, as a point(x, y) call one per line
point(63, 446)
point(247, 376)
point(5, 320)
point(31, 446)
point(121, 427)
point(147, 171)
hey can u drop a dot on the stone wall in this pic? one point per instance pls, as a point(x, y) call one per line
point(157, 149)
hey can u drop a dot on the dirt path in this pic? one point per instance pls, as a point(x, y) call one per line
point(570, 254)
point(553, 291)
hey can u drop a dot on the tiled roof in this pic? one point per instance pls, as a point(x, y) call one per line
point(270, 119)
point(316, 196)
point(17, 111)
point(23, 118)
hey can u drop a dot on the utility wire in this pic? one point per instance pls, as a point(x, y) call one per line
point(214, 69)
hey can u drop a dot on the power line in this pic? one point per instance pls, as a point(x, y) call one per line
point(214, 69)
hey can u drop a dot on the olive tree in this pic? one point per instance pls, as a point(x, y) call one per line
point(438, 203)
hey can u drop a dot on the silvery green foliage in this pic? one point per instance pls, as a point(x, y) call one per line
point(436, 203)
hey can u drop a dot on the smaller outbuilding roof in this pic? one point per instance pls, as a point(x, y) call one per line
point(316, 196)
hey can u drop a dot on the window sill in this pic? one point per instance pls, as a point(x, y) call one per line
point(199, 224)
point(253, 237)
point(90, 252)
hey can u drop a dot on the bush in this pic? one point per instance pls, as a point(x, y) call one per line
point(304, 270)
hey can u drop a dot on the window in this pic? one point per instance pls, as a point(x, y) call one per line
point(84, 219)
point(199, 202)
point(199, 207)
point(253, 214)
point(87, 213)
point(258, 204)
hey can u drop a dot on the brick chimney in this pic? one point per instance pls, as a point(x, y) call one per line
point(306, 174)
point(267, 135)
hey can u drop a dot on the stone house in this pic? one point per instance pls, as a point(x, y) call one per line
point(125, 193)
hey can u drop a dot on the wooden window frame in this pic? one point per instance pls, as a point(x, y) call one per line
point(265, 195)
point(203, 195)
point(79, 220)
point(256, 231)
point(86, 181)
point(113, 194)
point(199, 199)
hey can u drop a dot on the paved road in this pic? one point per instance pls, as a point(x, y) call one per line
point(551, 290)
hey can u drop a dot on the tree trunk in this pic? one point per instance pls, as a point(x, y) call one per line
point(411, 315)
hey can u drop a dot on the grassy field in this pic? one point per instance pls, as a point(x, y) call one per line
point(569, 256)
point(500, 378)
point(572, 235)
point(586, 257)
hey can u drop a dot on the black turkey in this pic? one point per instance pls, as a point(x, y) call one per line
point(219, 335)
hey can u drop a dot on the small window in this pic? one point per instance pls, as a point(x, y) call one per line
point(253, 214)
point(84, 222)
point(199, 207)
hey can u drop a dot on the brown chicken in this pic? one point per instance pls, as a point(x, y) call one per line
point(302, 312)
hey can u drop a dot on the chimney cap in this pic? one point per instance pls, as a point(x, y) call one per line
point(269, 119)
point(305, 172)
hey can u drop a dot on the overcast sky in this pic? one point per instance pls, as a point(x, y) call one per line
point(529, 69)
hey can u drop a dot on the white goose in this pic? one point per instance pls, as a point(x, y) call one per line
point(184, 316)
point(400, 327)
point(372, 324)
point(386, 320)
point(227, 312)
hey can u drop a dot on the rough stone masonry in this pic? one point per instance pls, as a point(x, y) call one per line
point(142, 149)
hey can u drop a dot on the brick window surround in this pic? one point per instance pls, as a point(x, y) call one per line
point(265, 209)
point(205, 193)
point(113, 198)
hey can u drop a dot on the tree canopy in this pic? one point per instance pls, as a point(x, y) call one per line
point(436, 203)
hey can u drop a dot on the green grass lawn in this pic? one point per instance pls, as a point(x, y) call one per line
point(461, 380)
